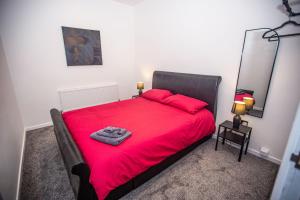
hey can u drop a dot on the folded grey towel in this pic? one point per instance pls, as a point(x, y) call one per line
point(112, 132)
point(110, 140)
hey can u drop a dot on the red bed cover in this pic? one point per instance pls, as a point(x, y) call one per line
point(240, 97)
point(158, 131)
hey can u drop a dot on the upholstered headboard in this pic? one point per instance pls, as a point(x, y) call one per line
point(198, 86)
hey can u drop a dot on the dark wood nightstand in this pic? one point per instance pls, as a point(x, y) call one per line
point(239, 136)
point(135, 96)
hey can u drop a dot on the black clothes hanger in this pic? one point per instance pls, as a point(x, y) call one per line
point(275, 36)
point(271, 37)
point(289, 9)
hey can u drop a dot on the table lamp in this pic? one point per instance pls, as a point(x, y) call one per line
point(249, 101)
point(140, 87)
point(238, 108)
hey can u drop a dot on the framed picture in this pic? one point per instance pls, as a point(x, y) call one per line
point(82, 46)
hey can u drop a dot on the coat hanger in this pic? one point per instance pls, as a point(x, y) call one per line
point(272, 37)
point(289, 9)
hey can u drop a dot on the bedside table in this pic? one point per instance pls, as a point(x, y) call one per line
point(239, 136)
point(135, 96)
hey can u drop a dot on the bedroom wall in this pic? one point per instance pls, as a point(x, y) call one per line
point(206, 37)
point(11, 133)
point(33, 43)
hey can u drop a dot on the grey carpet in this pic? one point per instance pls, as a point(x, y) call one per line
point(202, 174)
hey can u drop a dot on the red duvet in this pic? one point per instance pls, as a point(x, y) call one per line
point(240, 97)
point(158, 131)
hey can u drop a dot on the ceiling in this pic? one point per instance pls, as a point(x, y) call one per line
point(129, 2)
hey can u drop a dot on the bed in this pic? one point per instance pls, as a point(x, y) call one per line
point(241, 93)
point(240, 97)
point(154, 126)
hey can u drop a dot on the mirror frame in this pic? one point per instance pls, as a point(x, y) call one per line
point(273, 64)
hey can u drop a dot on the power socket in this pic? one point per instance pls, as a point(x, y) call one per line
point(264, 151)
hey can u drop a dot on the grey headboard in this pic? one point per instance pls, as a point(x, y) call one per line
point(198, 86)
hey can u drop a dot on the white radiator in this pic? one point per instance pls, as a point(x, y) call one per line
point(80, 97)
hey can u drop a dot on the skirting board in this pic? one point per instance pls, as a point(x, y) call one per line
point(21, 167)
point(254, 152)
point(30, 128)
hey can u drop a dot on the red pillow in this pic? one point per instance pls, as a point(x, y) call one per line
point(157, 94)
point(185, 103)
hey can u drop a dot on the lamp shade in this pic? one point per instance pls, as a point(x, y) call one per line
point(239, 107)
point(140, 85)
point(249, 101)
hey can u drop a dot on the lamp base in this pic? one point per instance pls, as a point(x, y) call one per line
point(140, 92)
point(237, 121)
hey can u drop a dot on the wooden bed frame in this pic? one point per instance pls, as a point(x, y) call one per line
point(202, 87)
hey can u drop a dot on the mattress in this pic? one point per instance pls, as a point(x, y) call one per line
point(158, 131)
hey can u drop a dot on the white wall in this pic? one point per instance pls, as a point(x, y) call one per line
point(206, 37)
point(33, 42)
point(11, 133)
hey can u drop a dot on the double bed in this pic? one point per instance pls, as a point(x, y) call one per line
point(241, 93)
point(161, 134)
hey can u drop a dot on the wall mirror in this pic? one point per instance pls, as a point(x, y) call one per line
point(255, 72)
